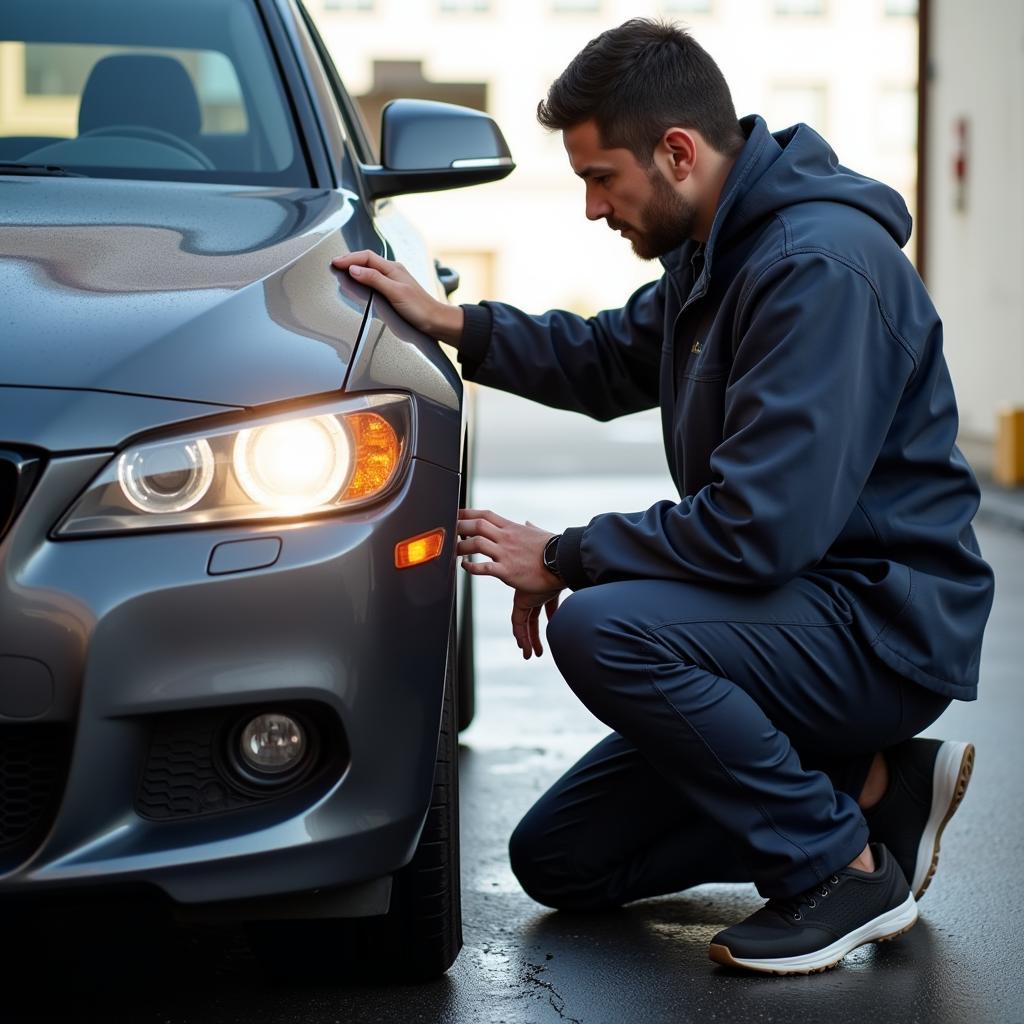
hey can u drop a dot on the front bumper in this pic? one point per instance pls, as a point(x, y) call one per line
point(122, 632)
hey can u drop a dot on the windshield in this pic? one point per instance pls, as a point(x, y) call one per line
point(161, 89)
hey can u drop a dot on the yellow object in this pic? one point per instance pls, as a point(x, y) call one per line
point(420, 549)
point(377, 451)
point(1009, 460)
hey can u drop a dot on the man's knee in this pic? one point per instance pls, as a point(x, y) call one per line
point(544, 871)
point(526, 854)
point(522, 850)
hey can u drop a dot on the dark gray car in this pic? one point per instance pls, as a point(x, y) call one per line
point(228, 483)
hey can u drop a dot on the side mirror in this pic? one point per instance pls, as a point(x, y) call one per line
point(428, 146)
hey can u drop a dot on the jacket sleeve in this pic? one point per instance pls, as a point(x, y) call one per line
point(604, 366)
point(817, 375)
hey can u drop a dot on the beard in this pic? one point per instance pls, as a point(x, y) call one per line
point(667, 221)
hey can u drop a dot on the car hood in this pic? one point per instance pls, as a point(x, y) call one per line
point(216, 294)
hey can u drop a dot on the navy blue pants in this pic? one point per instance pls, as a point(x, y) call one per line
point(744, 724)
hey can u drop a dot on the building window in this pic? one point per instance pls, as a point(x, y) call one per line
point(897, 119)
point(686, 6)
point(805, 8)
point(348, 5)
point(576, 6)
point(901, 8)
point(795, 104)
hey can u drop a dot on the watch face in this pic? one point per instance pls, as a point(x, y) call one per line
point(550, 556)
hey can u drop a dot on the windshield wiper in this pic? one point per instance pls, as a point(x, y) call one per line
point(38, 169)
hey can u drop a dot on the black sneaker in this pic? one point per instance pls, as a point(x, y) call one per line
point(927, 781)
point(814, 931)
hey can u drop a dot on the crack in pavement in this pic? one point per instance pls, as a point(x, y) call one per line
point(555, 998)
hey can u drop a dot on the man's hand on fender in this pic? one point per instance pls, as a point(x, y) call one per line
point(412, 303)
point(515, 551)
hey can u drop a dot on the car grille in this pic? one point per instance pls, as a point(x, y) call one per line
point(17, 475)
point(33, 766)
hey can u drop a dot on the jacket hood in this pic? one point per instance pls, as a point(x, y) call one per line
point(204, 293)
point(775, 172)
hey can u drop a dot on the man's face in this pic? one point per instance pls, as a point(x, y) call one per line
point(633, 199)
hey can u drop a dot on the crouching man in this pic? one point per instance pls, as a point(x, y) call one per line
point(765, 647)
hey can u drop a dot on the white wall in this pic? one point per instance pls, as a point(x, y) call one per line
point(975, 256)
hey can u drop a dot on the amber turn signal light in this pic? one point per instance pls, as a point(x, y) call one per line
point(377, 453)
point(417, 550)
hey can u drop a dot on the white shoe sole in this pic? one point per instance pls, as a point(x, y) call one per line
point(953, 766)
point(886, 926)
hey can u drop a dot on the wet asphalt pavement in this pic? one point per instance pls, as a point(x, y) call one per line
point(524, 965)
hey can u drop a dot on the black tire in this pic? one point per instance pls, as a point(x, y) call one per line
point(466, 660)
point(421, 935)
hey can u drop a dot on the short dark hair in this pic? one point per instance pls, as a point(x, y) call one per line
point(638, 80)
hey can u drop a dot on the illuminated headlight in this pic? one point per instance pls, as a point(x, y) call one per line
point(293, 466)
point(289, 465)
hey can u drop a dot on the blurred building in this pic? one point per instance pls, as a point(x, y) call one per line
point(974, 249)
point(846, 67)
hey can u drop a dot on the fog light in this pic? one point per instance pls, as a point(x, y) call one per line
point(273, 744)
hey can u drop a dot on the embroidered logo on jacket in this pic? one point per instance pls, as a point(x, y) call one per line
point(696, 347)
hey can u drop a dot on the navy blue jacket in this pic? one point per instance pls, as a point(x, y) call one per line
point(807, 411)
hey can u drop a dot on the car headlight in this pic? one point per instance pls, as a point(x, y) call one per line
point(166, 477)
point(288, 465)
point(293, 465)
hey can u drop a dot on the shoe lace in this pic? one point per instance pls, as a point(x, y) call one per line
point(794, 906)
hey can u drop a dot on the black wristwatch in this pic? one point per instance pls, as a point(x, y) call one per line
point(550, 556)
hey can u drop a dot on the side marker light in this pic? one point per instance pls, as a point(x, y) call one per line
point(416, 550)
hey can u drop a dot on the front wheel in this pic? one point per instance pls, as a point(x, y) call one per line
point(421, 934)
